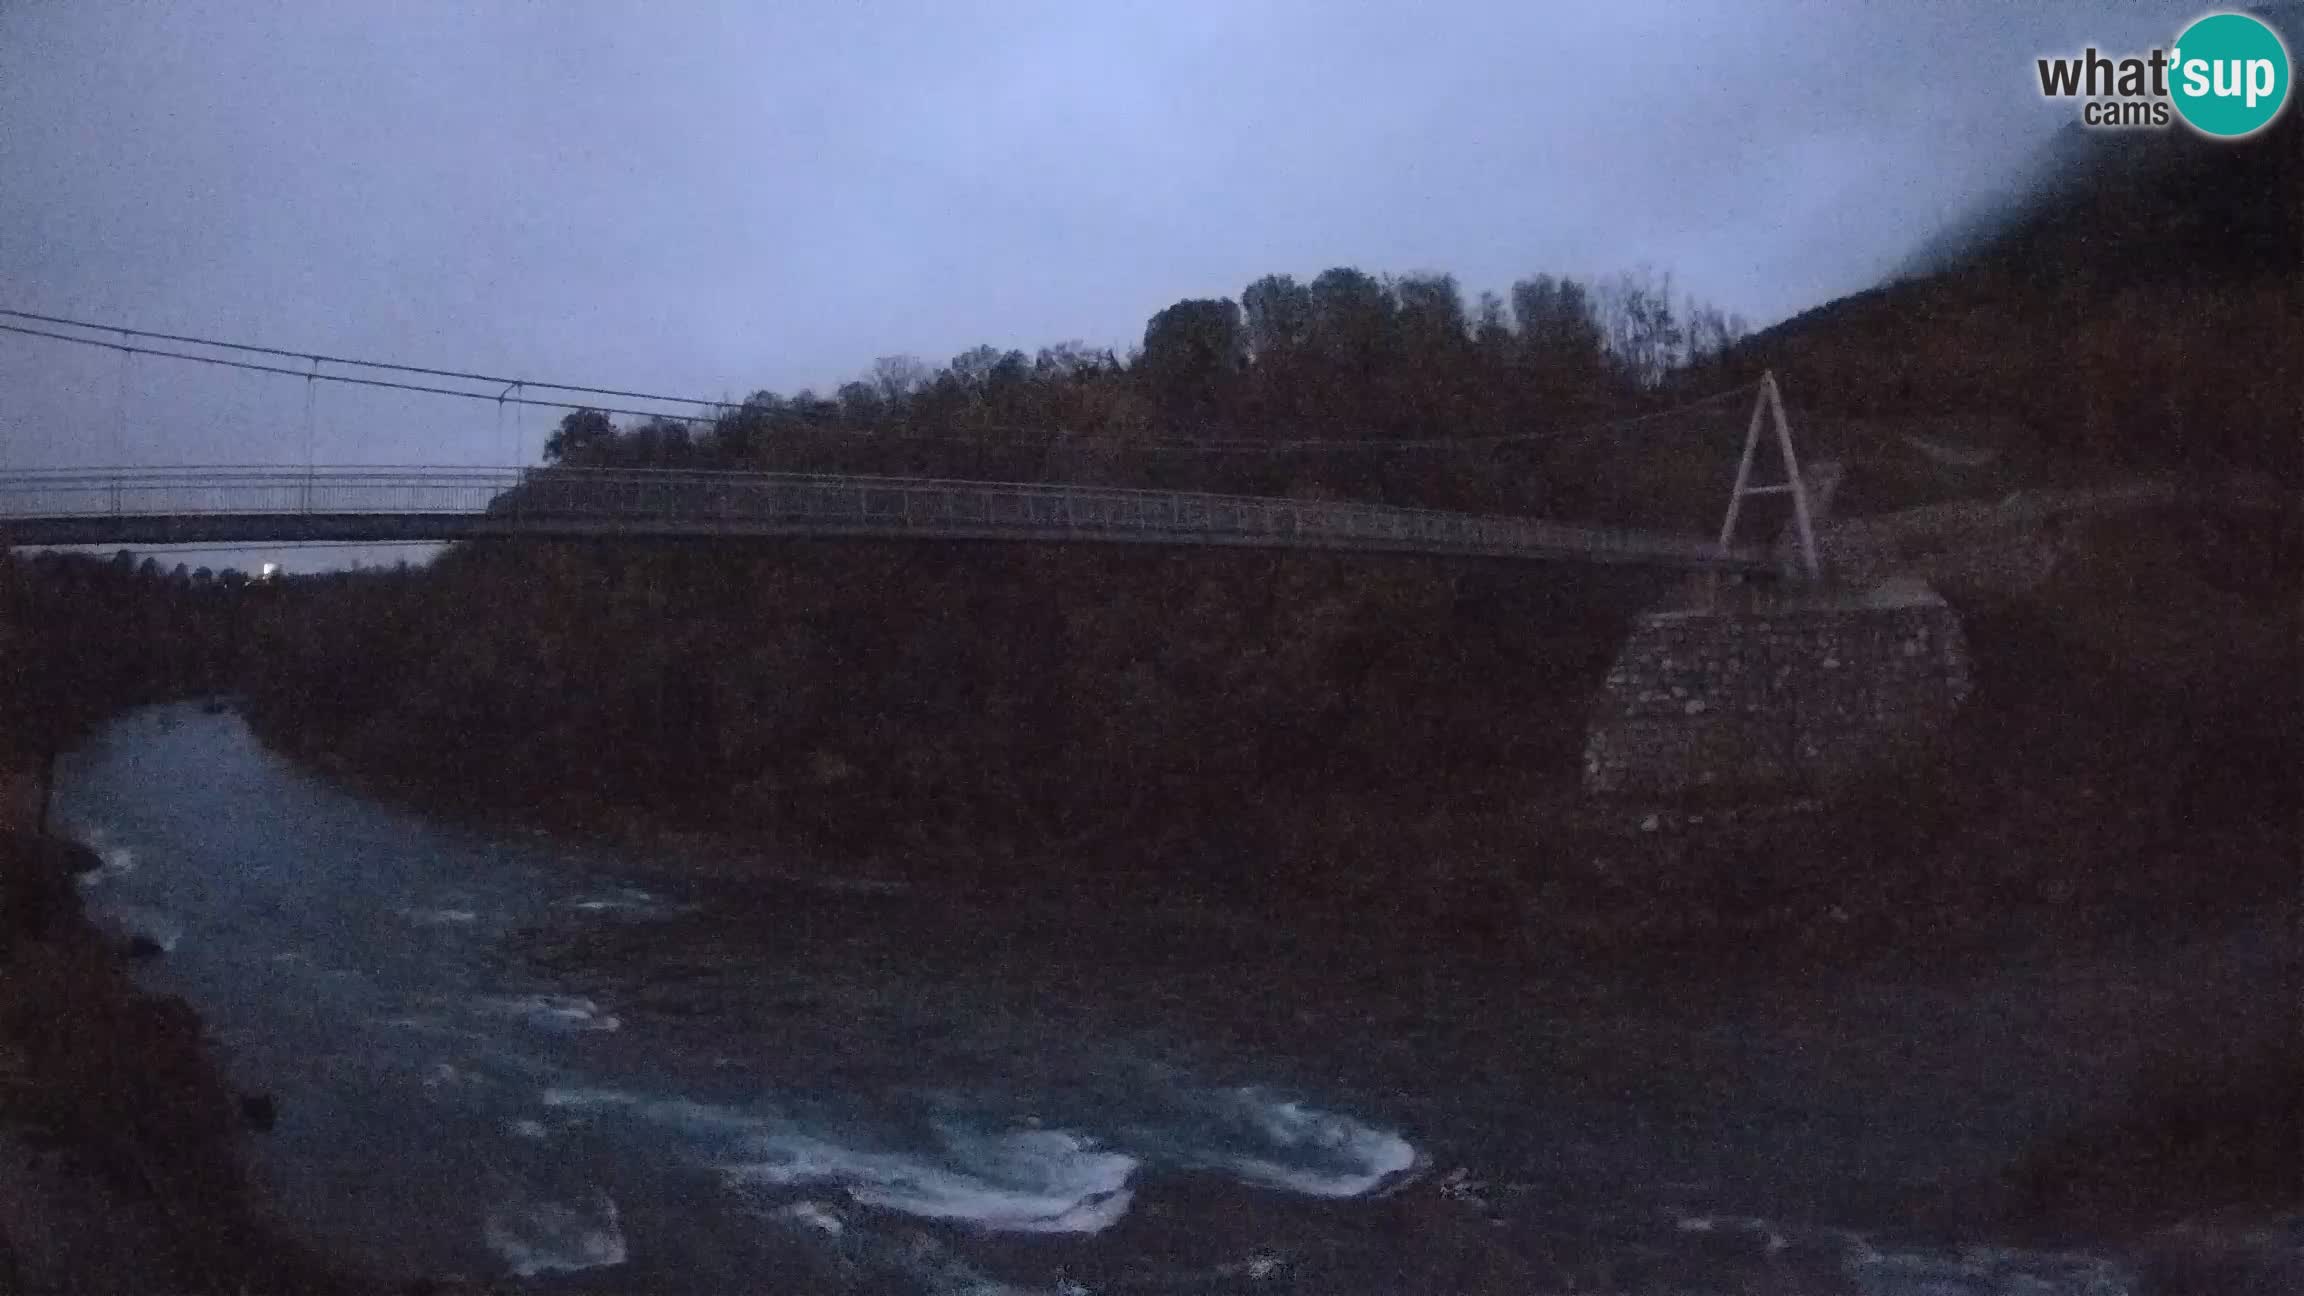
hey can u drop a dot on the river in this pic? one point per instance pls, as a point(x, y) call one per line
point(497, 1054)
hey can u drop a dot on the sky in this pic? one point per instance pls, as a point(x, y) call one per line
point(710, 199)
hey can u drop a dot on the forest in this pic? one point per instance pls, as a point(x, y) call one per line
point(994, 714)
point(1350, 386)
point(1347, 356)
point(82, 636)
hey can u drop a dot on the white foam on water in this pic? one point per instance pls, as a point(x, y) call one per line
point(1016, 1181)
point(814, 1215)
point(719, 1126)
point(116, 858)
point(1024, 1181)
point(622, 899)
point(1027, 1181)
point(445, 1075)
point(841, 885)
point(921, 1262)
point(693, 1119)
point(1017, 1177)
point(1772, 1239)
point(1289, 1145)
point(154, 925)
point(589, 1098)
point(864, 885)
point(562, 1014)
point(553, 1237)
point(440, 917)
point(529, 1129)
point(434, 1026)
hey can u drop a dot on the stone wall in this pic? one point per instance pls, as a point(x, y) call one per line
point(1753, 693)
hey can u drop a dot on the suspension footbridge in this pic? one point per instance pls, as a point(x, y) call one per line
point(159, 506)
point(197, 505)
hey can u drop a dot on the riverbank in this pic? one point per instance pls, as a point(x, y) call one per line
point(120, 1161)
point(121, 1165)
point(121, 1154)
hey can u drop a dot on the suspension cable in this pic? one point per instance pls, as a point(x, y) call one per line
point(523, 401)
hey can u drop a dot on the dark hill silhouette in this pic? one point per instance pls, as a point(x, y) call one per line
point(2078, 167)
point(2140, 300)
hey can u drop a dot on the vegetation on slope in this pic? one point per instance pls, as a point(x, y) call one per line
point(1310, 728)
point(81, 637)
point(2143, 306)
point(1236, 719)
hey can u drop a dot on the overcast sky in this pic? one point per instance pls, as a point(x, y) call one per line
point(714, 198)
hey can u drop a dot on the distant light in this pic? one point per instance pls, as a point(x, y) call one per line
point(268, 571)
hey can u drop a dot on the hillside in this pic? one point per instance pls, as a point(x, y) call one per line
point(2139, 302)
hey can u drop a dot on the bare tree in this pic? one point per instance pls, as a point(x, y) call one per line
point(898, 376)
point(1644, 335)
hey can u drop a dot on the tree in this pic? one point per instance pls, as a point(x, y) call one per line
point(1351, 319)
point(899, 377)
point(806, 405)
point(1070, 363)
point(1710, 332)
point(1430, 315)
point(1191, 352)
point(1067, 361)
point(973, 368)
point(861, 402)
point(1491, 330)
point(658, 443)
point(736, 434)
point(582, 434)
point(1011, 371)
point(1279, 316)
point(1558, 324)
point(1643, 334)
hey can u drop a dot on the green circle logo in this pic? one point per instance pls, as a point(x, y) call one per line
point(2228, 75)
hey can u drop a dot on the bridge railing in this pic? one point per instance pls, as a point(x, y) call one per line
point(803, 503)
point(153, 492)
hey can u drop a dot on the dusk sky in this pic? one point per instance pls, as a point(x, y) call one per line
point(715, 198)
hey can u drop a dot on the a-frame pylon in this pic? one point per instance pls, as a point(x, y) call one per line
point(1769, 405)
